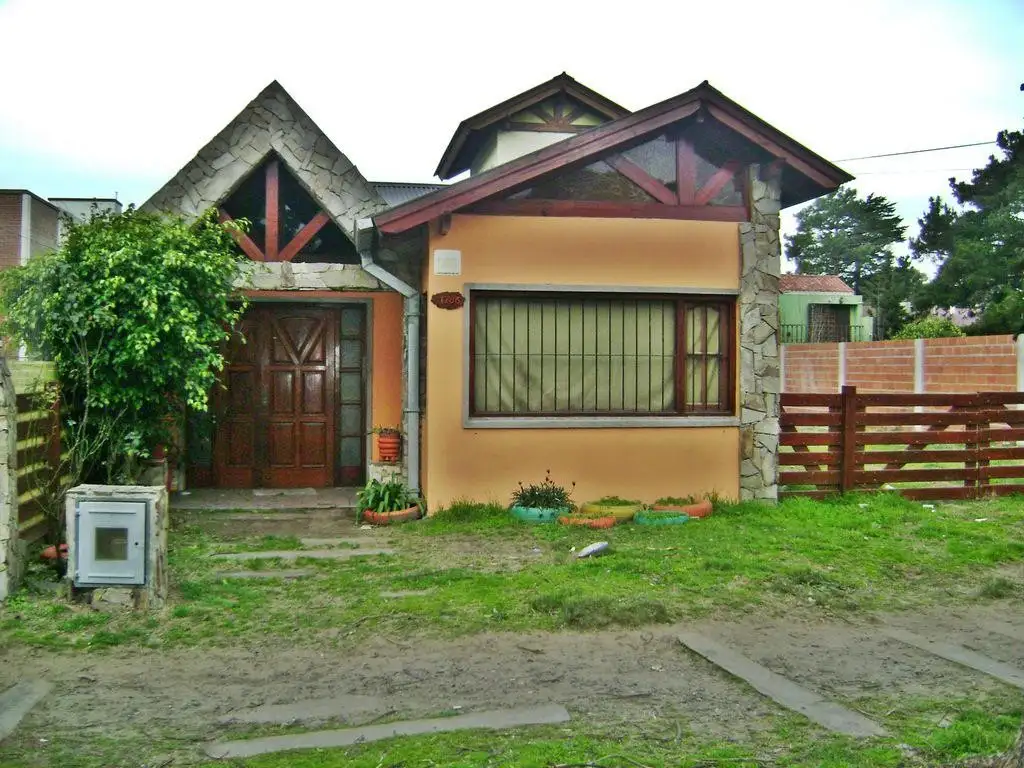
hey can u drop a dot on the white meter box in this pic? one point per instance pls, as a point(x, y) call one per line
point(110, 543)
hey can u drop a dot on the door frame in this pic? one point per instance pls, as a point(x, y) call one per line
point(328, 300)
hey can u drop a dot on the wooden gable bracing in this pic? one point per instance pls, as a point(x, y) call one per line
point(686, 157)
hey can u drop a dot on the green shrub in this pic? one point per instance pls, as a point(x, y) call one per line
point(929, 328)
point(385, 497)
point(545, 494)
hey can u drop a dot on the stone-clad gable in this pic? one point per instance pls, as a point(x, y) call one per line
point(272, 122)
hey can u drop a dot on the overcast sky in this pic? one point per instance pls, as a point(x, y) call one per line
point(112, 97)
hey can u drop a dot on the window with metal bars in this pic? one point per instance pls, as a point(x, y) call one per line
point(542, 354)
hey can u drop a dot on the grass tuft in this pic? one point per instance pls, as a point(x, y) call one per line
point(998, 588)
point(595, 612)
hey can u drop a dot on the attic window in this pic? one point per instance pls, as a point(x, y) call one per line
point(286, 224)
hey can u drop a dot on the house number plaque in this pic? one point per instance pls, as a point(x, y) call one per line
point(448, 300)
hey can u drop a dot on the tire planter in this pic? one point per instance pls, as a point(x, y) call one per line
point(698, 510)
point(623, 513)
point(390, 518)
point(538, 514)
point(588, 522)
point(646, 518)
point(389, 447)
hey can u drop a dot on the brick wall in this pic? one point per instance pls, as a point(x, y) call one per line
point(10, 229)
point(968, 364)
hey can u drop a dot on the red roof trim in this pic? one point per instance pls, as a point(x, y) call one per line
point(602, 139)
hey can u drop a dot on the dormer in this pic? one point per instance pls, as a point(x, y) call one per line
point(543, 115)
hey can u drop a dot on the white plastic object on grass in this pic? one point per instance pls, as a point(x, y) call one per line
point(593, 549)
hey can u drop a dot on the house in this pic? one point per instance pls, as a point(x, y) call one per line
point(821, 309)
point(595, 295)
point(30, 224)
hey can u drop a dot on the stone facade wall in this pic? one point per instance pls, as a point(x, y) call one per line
point(760, 382)
point(274, 122)
point(10, 550)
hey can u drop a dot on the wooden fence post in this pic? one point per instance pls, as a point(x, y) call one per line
point(848, 439)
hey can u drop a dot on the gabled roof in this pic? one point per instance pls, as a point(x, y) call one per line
point(469, 135)
point(399, 192)
point(811, 176)
point(273, 122)
point(813, 284)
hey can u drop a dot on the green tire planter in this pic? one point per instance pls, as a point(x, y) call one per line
point(538, 514)
point(623, 513)
point(647, 518)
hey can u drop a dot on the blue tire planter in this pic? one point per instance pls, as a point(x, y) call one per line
point(538, 514)
point(646, 518)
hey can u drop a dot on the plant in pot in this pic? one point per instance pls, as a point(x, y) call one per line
point(389, 443)
point(542, 502)
point(387, 503)
point(623, 510)
point(684, 505)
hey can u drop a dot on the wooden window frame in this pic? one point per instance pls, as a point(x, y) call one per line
point(683, 303)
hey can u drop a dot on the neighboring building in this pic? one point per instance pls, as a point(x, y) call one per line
point(82, 208)
point(819, 309)
point(29, 225)
point(598, 298)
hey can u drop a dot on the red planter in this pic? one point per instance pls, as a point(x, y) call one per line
point(700, 509)
point(390, 518)
point(389, 447)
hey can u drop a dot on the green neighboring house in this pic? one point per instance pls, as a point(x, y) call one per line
point(821, 309)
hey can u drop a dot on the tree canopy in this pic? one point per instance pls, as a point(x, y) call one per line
point(978, 243)
point(853, 237)
point(133, 308)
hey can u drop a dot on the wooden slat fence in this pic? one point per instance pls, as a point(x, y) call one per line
point(39, 453)
point(934, 446)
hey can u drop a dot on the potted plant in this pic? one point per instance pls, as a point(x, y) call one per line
point(588, 521)
point(389, 443)
point(387, 503)
point(686, 505)
point(542, 502)
point(622, 510)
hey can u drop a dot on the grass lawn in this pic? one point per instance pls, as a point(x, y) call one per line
point(479, 570)
point(472, 569)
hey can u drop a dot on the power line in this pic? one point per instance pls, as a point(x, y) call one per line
point(915, 151)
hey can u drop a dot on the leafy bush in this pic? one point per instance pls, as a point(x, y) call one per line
point(386, 497)
point(615, 501)
point(929, 328)
point(134, 309)
point(546, 495)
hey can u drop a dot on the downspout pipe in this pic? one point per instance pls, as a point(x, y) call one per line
point(364, 237)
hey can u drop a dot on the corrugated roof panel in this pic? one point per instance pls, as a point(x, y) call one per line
point(396, 193)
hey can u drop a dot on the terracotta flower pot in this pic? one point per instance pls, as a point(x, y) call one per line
point(390, 518)
point(51, 552)
point(588, 522)
point(700, 509)
point(389, 447)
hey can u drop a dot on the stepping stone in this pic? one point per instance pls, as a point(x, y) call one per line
point(343, 707)
point(295, 554)
point(17, 701)
point(549, 714)
point(405, 593)
point(957, 653)
point(782, 690)
point(269, 574)
point(314, 543)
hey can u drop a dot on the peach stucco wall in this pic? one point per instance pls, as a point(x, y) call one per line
point(644, 463)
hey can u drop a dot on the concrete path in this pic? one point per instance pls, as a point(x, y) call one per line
point(264, 498)
point(957, 653)
point(297, 573)
point(550, 714)
point(344, 707)
point(338, 542)
point(17, 701)
point(813, 706)
point(295, 554)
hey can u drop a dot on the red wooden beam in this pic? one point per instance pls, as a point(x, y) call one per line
point(610, 210)
point(686, 172)
point(643, 179)
point(273, 211)
point(716, 183)
point(249, 248)
point(303, 236)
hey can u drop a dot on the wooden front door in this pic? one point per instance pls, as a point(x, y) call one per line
point(278, 423)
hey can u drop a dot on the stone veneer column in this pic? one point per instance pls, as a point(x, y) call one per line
point(10, 560)
point(759, 346)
